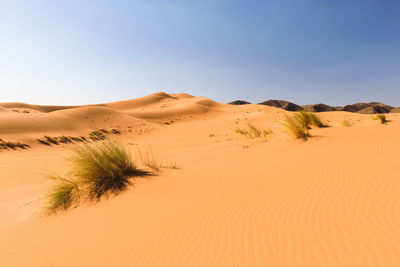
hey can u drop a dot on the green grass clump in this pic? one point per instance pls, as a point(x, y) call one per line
point(96, 172)
point(381, 118)
point(296, 127)
point(62, 195)
point(251, 131)
point(104, 169)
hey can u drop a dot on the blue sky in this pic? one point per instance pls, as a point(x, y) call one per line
point(306, 51)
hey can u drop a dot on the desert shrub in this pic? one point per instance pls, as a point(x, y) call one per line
point(381, 118)
point(296, 127)
point(104, 169)
point(249, 130)
point(63, 194)
point(308, 119)
point(96, 172)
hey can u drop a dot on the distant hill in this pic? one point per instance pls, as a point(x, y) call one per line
point(239, 102)
point(395, 110)
point(362, 108)
point(368, 108)
point(320, 108)
point(282, 104)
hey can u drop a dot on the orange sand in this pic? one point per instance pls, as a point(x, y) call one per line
point(331, 201)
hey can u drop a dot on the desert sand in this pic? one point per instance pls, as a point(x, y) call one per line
point(333, 200)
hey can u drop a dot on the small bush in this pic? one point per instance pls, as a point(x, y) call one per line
point(252, 132)
point(296, 127)
point(96, 172)
point(104, 169)
point(381, 118)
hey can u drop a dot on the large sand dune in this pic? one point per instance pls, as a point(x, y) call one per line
point(331, 201)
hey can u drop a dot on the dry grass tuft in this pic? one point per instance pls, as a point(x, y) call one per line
point(151, 159)
point(296, 127)
point(249, 130)
point(381, 118)
point(308, 119)
point(96, 172)
point(63, 195)
point(104, 169)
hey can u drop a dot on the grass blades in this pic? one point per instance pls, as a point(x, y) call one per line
point(149, 158)
point(251, 131)
point(308, 119)
point(96, 172)
point(299, 124)
point(104, 169)
point(296, 127)
point(63, 195)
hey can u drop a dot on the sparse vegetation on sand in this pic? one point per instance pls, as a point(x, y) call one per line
point(381, 118)
point(251, 131)
point(96, 172)
point(100, 171)
point(12, 145)
point(299, 124)
point(148, 158)
point(308, 119)
point(296, 127)
point(97, 135)
point(56, 140)
point(104, 169)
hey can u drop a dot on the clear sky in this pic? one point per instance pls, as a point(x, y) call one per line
point(306, 51)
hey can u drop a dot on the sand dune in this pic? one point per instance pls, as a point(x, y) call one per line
point(28, 107)
point(331, 201)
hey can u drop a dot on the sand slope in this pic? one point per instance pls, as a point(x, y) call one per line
point(331, 201)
